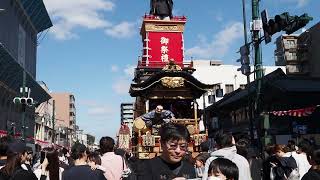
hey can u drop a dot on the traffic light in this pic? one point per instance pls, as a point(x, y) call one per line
point(298, 22)
point(277, 24)
point(265, 20)
point(23, 100)
point(244, 60)
point(282, 22)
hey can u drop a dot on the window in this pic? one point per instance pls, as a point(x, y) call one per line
point(242, 86)
point(290, 44)
point(229, 88)
point(72, 98)
point(291, 56)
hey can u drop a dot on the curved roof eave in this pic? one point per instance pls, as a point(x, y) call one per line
point(135, 88)
point(187, 76)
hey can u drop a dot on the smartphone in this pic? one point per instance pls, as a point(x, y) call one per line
point(43, 155)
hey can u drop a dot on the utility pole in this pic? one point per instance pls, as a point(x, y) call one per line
point(53, 121)
point(257, 50)
point(258, 68)
point(248, 75)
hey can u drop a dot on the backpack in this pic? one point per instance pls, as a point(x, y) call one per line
point(288, 169)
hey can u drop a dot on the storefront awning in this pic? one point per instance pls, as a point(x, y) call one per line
point(278, 90)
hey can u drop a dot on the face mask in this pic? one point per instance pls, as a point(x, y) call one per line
point(213, 178)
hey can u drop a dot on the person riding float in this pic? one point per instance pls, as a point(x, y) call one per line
point(154, 119)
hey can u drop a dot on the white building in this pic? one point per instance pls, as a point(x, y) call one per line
point(229, 78)
point(82, 137)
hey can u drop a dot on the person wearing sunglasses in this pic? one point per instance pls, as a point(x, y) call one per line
point(170, 164)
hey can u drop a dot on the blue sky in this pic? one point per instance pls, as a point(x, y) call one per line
point(94, 45)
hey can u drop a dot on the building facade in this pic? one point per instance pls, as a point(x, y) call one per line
point(21, 21)
point(44, 121)
point(300, 53)
point(127, 115)
point(85, 139)
point(229, 78)
point(65, 117)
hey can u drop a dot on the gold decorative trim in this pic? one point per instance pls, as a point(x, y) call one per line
point(171, 66)
point(164, 27)
point(172, 82)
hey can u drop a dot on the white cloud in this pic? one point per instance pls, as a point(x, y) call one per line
point(70, 14)
point(220, 43)
point(129, 70)
point(302, 3)
point(122, 30)
point(218, 16)
point(89, 103)
point(114, 68)
point(96, 109)
point(121, 86)
point(100, 111)
point(299, 3)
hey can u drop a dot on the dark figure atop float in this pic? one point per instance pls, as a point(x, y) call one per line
point(157, 117)
point(161, 8)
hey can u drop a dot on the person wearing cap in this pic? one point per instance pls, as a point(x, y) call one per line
point(16, 156)
point(157, 117)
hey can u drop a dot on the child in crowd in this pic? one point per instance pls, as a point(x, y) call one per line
point(223, 169)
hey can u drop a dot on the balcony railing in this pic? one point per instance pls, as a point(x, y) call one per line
point(73, 110)
point(72, 100)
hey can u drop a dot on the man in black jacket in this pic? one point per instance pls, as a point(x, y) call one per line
point(161, 8)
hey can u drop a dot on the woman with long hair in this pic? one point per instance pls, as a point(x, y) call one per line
point(17, 155)
point(49, 166)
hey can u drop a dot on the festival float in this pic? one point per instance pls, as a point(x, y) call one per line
point(163, 77)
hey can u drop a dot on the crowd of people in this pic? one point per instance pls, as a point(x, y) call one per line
point(225, 159)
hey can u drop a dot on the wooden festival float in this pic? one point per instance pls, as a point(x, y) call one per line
point(162, 77)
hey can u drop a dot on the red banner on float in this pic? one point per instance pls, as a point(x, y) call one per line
point(162, 47)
